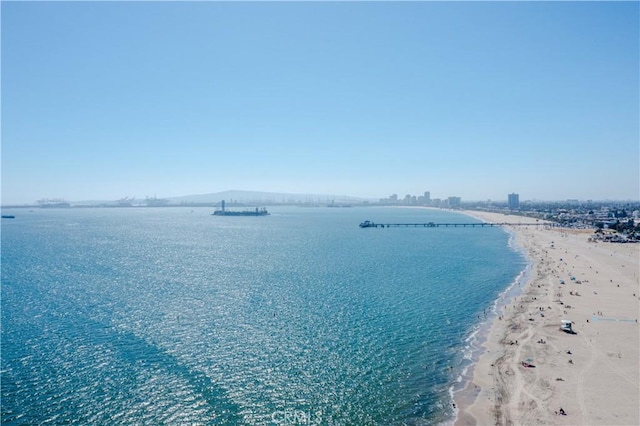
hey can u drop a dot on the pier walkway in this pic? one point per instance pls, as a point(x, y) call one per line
point(369, 224)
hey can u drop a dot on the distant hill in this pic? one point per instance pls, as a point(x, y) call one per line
point(237, 197)
point(263, 198)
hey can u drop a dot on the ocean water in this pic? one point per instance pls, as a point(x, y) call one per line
point(173, 316)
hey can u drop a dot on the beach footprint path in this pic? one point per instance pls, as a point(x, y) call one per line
point(533, 402)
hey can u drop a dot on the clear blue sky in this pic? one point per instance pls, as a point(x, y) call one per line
point(113, 99)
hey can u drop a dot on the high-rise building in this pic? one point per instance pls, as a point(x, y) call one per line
point(454, 202)
point(514, 202)
point(427, 198)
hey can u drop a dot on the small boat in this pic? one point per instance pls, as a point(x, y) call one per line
point(8, 216)
point(367, 224)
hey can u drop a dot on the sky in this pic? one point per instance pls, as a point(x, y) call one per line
point(102, 100)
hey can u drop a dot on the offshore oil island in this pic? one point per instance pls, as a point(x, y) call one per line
point(222, 211)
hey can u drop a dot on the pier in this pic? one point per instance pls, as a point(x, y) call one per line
point(369, 224)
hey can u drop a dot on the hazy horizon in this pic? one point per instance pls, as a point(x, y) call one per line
point(244, 196)
point(478, 100)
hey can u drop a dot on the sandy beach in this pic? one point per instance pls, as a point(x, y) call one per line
point(531, 372)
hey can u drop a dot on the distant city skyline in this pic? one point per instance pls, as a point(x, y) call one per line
point(477, 100)
point(510, 201)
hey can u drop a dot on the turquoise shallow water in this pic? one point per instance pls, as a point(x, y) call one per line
point(174, 316)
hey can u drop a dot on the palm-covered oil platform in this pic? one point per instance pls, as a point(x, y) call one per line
point(369, 224)
point(224, 212)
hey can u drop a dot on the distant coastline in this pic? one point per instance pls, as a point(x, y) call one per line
point(240, 198)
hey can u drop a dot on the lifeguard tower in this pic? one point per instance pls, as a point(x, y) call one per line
point(566, 326)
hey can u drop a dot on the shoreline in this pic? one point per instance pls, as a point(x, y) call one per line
point(570, 370)
point(465, 394)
